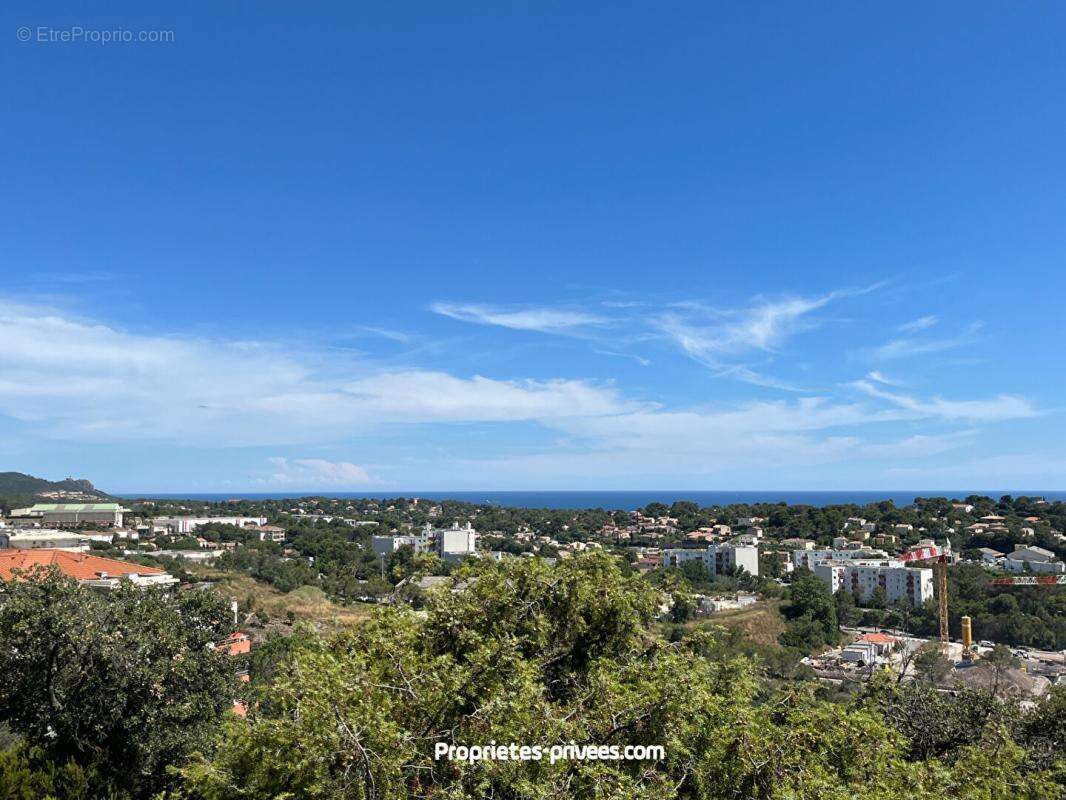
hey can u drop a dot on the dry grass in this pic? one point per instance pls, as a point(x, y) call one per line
point(305, 604)
point(760, 623)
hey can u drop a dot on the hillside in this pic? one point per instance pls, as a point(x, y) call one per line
point(18, 484)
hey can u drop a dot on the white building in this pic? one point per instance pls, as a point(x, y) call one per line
point(37, 538)
point(269, 533)
point(862, 578)
point(181, 525)
point(456, 542)
point(1033, 559)
point(448, 543)
point(73, 513)
point(812, 558)
point(386, 545)
point(862, 653)
point(719, 559)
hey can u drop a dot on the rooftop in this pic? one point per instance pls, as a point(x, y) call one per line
point(80, 566)
point(74, 508)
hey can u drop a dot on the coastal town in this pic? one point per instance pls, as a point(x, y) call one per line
point(890, 564)
point(533, 401)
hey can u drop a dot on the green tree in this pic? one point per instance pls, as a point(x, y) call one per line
point(811, 613)
point(538, 655)
point(930, 664)
point(121, 684)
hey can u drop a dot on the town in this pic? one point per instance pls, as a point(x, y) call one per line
point(891, 564)
point(962, 598)
point(533, 401)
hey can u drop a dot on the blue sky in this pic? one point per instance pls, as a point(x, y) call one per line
point(537, 245)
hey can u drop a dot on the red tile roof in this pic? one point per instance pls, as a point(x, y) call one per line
point(235, 644)
point(877, 638)
point(80, 566)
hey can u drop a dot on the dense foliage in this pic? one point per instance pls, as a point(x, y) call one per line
point(537, 655)
point(106, 691)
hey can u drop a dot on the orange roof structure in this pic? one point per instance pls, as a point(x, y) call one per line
point(235, 644)
point(877, 638)
point(80, 566)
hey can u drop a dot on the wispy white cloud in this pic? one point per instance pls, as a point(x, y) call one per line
point(545, 320)
point(312, 473)
point(73, 379)
point(644, 362)
point(904, 347)
point(82, 380)
point(880, 377)
point(719, 339)
point(993, 409)
point(919, 324)
point(388, 333)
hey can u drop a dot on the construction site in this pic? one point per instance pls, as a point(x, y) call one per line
point(1024, 673)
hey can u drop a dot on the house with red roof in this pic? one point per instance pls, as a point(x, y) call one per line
point(89, 570)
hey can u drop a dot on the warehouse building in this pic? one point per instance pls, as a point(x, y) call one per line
point(72, 514)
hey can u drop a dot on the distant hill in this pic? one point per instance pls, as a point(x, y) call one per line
point(18, 484)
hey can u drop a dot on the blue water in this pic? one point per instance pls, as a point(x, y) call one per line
point(625, 500)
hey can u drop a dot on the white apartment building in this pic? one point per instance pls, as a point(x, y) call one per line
point(190, 524)
point(812, 558)
point(456, 542)
point(863, 578)
point(385, 545)
point(719, 559)
point(449, 543)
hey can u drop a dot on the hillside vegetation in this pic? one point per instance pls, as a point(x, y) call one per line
point(18, 486)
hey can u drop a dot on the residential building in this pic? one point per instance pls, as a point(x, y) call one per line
point(386, 545)
point(719, 559)
point(269, 533)
point(861, 653)
point(180, 525)
point(882, 642)
point(89, 570)
point(195, 556)
point(811, 558)
point(456, 542)
point(237, 644)
point(863, 578)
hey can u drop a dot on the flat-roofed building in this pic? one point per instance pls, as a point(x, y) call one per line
point(39, 538)
point(64, 514)
point(718, 559)
point(898, 582)
point(190, 524)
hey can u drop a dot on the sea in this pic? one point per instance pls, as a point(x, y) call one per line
point(619, 500)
